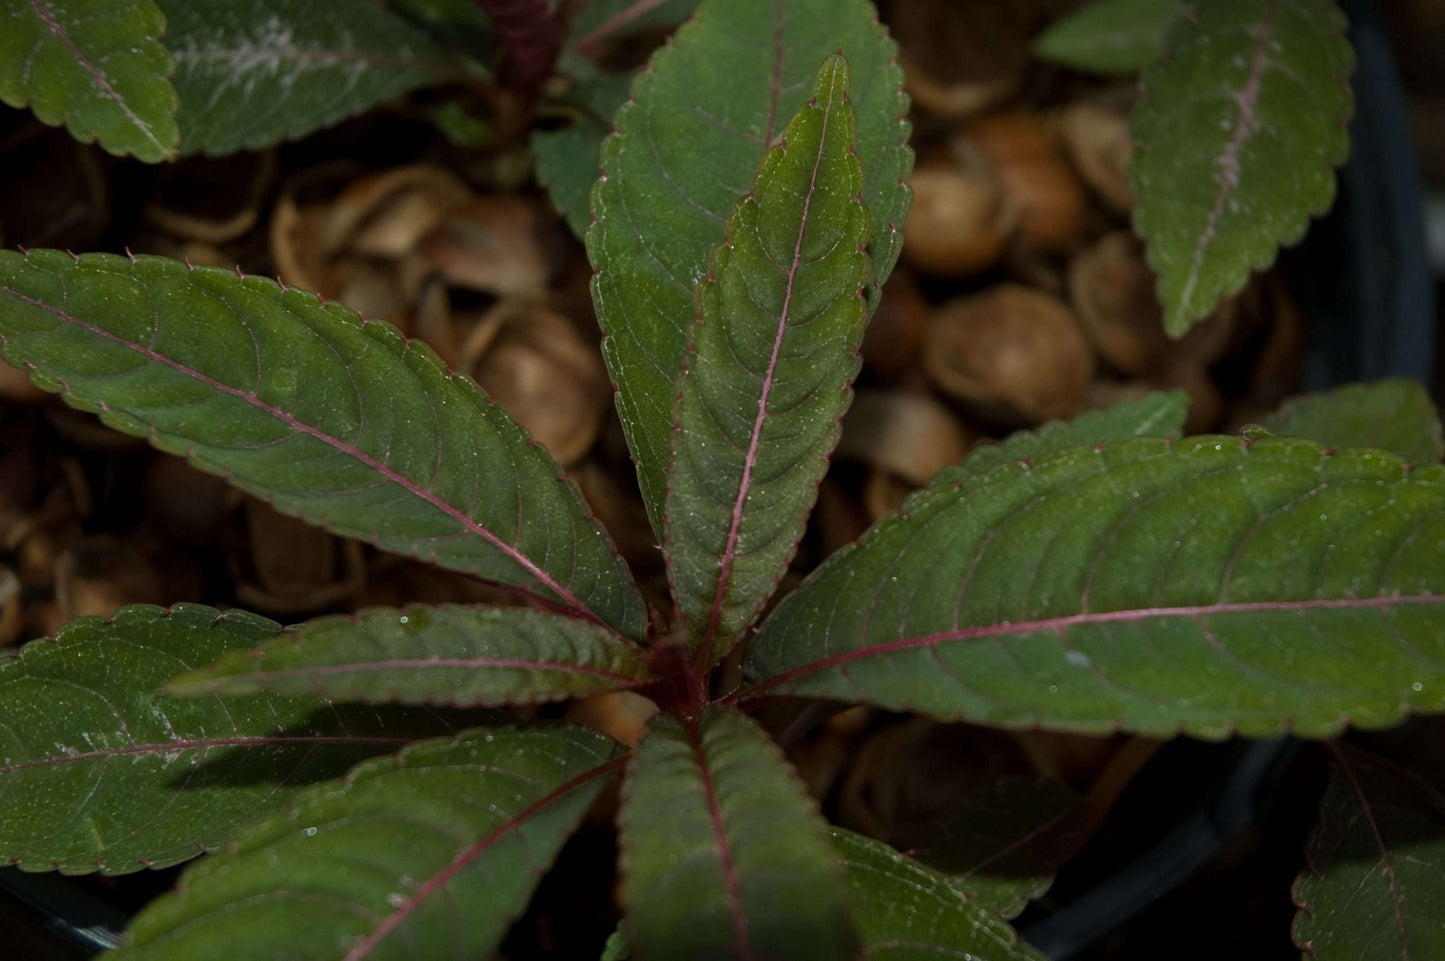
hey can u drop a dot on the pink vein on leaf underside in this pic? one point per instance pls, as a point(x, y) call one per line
point(1387, 865)
point(1061, 624)
point(97, 77)
point(1227, 177)
point(572, 602)
point(442, 878)
point(200, 744)
point(616, 22)
point(724, 849)
point(750, 459)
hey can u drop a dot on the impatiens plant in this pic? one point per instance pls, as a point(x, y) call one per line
point(354, 800)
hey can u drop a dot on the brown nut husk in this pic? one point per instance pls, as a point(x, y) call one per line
point(96, 575)
point(960, 222)
point(1037, 178)
point(960, 58)
point(11, 615)
point(1014, 354)
point(496, 244)
point(905, 433)
point(290, 566)
point(894, 335)
point(535, 362)
point(1098, 142)
point(1113, 293)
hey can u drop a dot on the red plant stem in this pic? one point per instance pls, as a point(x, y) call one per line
point(534, 39)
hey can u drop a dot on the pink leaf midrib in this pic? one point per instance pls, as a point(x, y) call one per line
point(418, 663)
point(201, 744)
point(1060, 625)
point(750, 458)
point(443, 877)
point(98, 79)
point(574, 604)
point(724, 848)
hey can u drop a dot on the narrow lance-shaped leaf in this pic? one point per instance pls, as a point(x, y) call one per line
point(775, 348)
point(1375, 880)
point(96, 66)
point(336, 419)
point(724, 856)
point(1110, 36)
point(1002, 844)
point(1239, 130)
point(1212, 586)
point(99, 772)
point(1392, 415)
point(906, 911)
point(428, 854)
point(701, 118)
point(256, 72)
point(448, 654)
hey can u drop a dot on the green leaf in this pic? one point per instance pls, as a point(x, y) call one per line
point(1110, 36)
point(428, 854)
point(337, 419)
point(257, 72)
point(448, 654)
point(614, 19)
point(567, 159)
point(1375, 880)
point(1239, 130)
point(1393, 415)
point(1002, 844)
point(616, 947)
point(1153, 415)
point(908, 912)
point(775, 350)
point(96, 66)
point(724, 855)
point(686, 149)
point(1211, 586)
point(99, 772)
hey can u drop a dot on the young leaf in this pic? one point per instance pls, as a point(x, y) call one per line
point(256, 72)
point(1210, 586)
point(1110, 36)
point(1376, 867)
point(1002, 844)
point(775, 348)
point(428, 854)
point(448, 654)
point(1153, 415)
point(723, 854)
point(1392, 415)
point(567, 160)
point(907, 912)
point(334, 418)
point(700, 120)
point(96, 66)
point(100, 773)
point(1239, 130)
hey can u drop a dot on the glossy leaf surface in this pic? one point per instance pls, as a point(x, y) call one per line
point(100, 772)
point(1110, 36)
point(767, 380)
point(1206, 585)
point(907, 912)
point(1239, 129)
point(1374, 884)
point(96, 66)
point(255, 72)
point(1393, 415)
point(686, 150)
point(1154, 415)
point(336, 419)
point(724, 856)
point(1002, 844)
point(428, 854)
point(448, 654)
point(567, 159)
